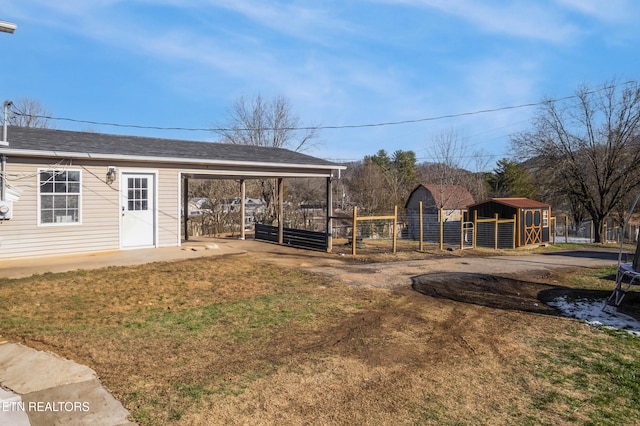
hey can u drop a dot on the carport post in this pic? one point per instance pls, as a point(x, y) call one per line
point(243, 196)
point(185, 206)
point(280, 211)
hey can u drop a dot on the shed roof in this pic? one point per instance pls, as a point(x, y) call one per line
point(449, 197)
point(37, 142)
point(515, 202)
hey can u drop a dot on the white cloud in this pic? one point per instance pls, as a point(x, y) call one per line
point(624, 11)
point(302, 20)
point(524, 19)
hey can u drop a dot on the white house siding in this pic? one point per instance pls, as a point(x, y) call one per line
point(21, 236)
point(98, 229)
point(168, 207)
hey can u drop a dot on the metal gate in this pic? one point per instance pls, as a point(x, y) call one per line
point(467, 235)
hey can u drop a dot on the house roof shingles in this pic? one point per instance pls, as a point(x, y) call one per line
point(100, 144)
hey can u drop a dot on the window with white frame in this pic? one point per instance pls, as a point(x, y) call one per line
point(59, 196)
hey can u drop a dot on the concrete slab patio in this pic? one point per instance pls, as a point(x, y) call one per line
point(20, 268)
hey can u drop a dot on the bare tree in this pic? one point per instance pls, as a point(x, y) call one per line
point(452, 162)
point(367, 186)
point(28, 112)
point(589, 147)
point(258, 122)
point(255, 121)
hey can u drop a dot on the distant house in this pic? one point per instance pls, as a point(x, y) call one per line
point(253, 209)
point(72, 192)
point(452, 200)
point(532, 221)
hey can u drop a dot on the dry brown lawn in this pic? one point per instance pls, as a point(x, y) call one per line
point(239, 340)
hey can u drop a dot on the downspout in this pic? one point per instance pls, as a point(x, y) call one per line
point(5, 142)
point(4, 180)
point(7, 104)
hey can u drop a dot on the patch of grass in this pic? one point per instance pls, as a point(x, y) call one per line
point(593, 279)
point(601, 380)
point(219, 341)
point(191, 390)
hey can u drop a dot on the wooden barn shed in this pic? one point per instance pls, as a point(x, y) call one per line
point(532, 218)
point(451, 200)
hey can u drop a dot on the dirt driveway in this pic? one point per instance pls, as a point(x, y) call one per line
point(397, 274)
point(528, 266)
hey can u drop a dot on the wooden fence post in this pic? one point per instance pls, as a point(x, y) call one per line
point(395, 226)
point(462, 231)
point(475, 228)
point(329, 226)
point(441, 230)
point(495, 242)
point(421, 243)
point(515, 216)
point(355, 227)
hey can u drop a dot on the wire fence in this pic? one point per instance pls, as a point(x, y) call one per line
point(566, 231)
point(444, 230)
point(412, 231)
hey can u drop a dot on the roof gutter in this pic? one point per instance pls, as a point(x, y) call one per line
point(151, 159)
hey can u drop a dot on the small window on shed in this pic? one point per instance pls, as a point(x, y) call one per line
point(545, 218)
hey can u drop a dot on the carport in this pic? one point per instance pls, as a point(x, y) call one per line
point(241, 173)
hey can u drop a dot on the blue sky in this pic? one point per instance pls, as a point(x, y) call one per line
point(182, 63)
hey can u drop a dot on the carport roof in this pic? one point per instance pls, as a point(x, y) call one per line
point(37, 142)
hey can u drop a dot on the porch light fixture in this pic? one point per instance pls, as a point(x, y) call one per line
point(111, 174)
point(7, 27)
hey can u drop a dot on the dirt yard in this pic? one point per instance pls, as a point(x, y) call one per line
point(280, 336)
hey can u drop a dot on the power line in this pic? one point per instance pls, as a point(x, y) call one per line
point(335, 127)
point(223, 129)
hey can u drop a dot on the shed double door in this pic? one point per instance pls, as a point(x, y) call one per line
point(532, 228)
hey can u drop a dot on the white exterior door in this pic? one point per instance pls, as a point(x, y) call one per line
point(138, 210)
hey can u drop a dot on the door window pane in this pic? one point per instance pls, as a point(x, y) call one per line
point(137, 194)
